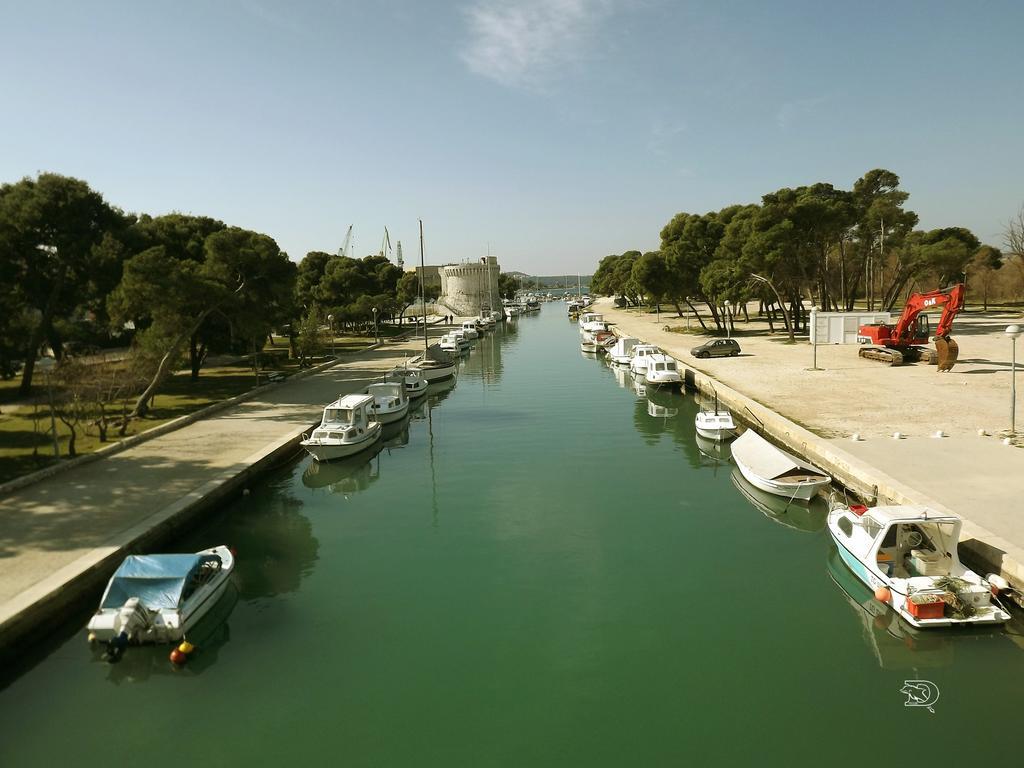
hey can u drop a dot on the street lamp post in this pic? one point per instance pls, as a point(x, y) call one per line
point(1013, 331)
point(728, 327)
point(814, 338)
point(330, 322)
point(376, 334)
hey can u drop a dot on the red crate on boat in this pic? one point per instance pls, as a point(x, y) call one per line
point(926, 606)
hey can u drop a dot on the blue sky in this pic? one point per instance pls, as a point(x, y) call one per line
point(559, 131)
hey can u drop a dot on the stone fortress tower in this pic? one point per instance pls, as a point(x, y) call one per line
point(467, 288)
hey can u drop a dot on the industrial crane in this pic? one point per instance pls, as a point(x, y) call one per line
point(903, 342)
point(343, 251)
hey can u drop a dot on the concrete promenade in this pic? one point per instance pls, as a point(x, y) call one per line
point(62, 536)
point(817, 412)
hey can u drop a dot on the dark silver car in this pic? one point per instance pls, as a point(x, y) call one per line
point(717, 348)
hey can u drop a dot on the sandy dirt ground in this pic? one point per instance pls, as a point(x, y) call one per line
point(853, 395)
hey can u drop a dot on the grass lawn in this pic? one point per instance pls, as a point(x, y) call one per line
point(26, 444)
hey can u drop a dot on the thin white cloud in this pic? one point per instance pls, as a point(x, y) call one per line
point(793, 111)
point(274, 16)
point(523, 43)
point(663, 134)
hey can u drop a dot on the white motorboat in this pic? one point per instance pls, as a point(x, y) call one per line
point(390, 403)
point(908, 555)
point(434, 364)
point(461, 339)
point(450, 344)
point(639, 357)
point(346, 429)
point(662, 371)
point(772, 469)
point(413, 381)
point(622, 350)
point(159, 598)
point(469, 329)
point(715, 425)
point(597, 338)
point(589, 318)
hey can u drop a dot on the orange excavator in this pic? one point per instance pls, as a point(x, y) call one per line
point(904, 342)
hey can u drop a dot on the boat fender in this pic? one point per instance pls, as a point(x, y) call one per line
point(177, 657)
point(882, 594)
point(997, 583)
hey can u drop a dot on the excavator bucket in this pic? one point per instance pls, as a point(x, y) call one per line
point(948, 351)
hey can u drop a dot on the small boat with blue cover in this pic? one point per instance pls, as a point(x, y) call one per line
point(159, 598)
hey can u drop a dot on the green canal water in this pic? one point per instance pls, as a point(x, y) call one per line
point(542, 568)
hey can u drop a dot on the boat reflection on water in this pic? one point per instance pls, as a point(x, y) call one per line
point(715, 450)
point(802, 516)
point(345, 476)
point(621, 374)
point(210, 633)
point(660, 411)
point(396, 434)
point(895, 643)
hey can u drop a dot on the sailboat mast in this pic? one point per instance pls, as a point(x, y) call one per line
point(423, 291)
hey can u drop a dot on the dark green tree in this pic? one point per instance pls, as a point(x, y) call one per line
point(242, 274)
point(53, 249)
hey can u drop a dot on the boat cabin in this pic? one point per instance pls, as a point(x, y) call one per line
point(644, 350)
point(902, 545)
point(346, 418)
point(624, 346)
point(386, 396)
point(591, 317)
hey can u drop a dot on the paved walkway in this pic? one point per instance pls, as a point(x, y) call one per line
point(58, 528)
point(977, 477)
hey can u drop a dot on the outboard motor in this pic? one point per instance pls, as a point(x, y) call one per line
point(116, 647)
point(132, 619)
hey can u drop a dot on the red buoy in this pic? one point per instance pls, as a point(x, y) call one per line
point(177, 657)
point(858, 509)
point(882, 594)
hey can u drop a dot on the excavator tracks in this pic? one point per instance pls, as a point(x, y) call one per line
point(881, 355)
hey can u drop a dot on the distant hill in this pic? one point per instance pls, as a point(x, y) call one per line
point(551, 281)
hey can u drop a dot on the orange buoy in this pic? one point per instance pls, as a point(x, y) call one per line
point(177, 657)
point(883, 595)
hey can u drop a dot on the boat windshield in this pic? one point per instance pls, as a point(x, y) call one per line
point(908, 544)
point(336, 415)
